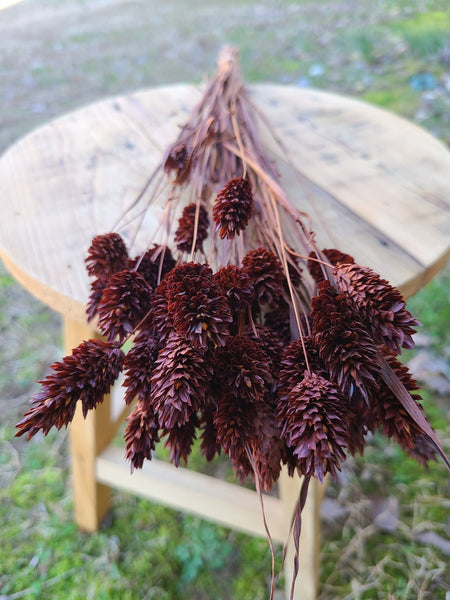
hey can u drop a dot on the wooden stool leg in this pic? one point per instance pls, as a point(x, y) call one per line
point(88, 438)
point(307, 583)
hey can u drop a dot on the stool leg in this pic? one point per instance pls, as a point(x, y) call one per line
point(88, 437)
point(307, 583)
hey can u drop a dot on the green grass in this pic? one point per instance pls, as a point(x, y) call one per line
point(32, 341)
point(432, 307)
point(147, 551)
point(400, 99)
point(426, 34)
point(395, 562)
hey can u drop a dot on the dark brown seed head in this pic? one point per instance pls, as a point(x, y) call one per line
point(266, 445)
point(141, 434)
point(177, 163)
point(199, 309)
point(233, 208)
point(382, 307)
point(154, 264)
point(180, 439)
point(188, 225)
point(242, 369)
point(179, 382)
point(125, 301)
point(266, 274)
point(315, 426)
point(333, 256)
point(294, 364)
point(343, 342)
point(236, 286)
point(139, 365)
point(86, 376)
point(107, 255)
point(95, 297)
point(395, 421)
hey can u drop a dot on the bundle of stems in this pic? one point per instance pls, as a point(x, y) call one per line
point(236, 328)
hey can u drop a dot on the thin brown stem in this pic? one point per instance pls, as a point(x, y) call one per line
point(266, 527)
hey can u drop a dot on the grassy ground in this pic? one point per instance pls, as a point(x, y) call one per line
point(386, 526)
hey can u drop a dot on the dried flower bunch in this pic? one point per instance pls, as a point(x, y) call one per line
point(243, 332)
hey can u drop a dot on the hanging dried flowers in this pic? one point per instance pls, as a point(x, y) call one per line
point(242, 332)
point(85, 376)
point(233, 207)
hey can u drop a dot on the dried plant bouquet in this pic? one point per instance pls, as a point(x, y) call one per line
point(238, 329)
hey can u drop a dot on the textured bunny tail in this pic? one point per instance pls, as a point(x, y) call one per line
point(397, 388)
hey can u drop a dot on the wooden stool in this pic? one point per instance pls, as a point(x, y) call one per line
point(376, 187)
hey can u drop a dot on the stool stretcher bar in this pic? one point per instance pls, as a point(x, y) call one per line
point(203, 495)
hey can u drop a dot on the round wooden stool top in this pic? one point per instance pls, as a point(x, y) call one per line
point(375, 185)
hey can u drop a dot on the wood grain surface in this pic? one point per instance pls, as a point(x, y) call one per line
point(375, 185)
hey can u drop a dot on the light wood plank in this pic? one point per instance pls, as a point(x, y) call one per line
point(186, 490)
point(359, 156)
point(307, 584)
point(88, 437)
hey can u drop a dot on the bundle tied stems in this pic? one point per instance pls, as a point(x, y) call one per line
point(234, 326)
